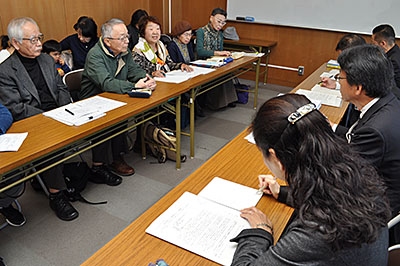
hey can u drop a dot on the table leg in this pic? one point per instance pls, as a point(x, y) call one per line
point(178, 131)
point(257, 81)
point(266, 65)
point(191, 103)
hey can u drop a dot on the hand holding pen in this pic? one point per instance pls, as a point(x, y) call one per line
point(269, 185)
point(328, 82)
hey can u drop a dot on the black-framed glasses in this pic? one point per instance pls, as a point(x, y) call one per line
point(338, 78)
point(35, 39)
point(121, 38)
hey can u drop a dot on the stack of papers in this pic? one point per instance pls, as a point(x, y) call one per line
point(79, 113)
point(254, 54)
point(12, 141)
point(319, 98)
point(178, 76)
point(204, 223)
point(333, 64)
point(331, 74)
point(237, 55)
point(205, 63)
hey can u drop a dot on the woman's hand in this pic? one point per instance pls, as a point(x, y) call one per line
point(222, 53)
point(271, 186)
point(158, 73)
point(186, 68)
point(256, 219)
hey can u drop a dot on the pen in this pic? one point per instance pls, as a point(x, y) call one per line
point(320, 83)
point(260, 190)
point(68, 111)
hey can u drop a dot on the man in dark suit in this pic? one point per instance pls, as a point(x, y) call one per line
point(385, 37)
point(366, 79)
point(30, 84)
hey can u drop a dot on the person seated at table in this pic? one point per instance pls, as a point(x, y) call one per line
point(133, 29)
point(30, 85)
point(366, 80)
point(6, 48)
point(342, 212)
point(13, 216)
point(82, 41)
point(150, 53)
point(385, 37)
point(109, 67)
point(53, 48)
point(181, 48)
point(347, 41)
point(209, 42)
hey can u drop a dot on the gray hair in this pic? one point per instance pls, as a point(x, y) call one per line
point(107, 27)
point(14, 28)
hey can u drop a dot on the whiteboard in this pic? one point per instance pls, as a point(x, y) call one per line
point(359, 16)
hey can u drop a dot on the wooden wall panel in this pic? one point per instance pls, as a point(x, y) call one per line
point(50, 15)
point(198, 12)
point(57, 17)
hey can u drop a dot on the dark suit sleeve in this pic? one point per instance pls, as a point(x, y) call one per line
point(10, 97)
point(396, 69)
point(370, 143)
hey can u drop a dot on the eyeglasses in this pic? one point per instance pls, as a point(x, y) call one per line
point(187, 34)
point(337, 78)
point(35, 40)
point(221, 22)
point(121, 38)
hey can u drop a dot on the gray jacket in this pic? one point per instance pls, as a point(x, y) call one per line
point(301, 246)
point(19, 94)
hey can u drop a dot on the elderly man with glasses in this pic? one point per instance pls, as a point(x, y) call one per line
point(109, 67)
point(30, 84)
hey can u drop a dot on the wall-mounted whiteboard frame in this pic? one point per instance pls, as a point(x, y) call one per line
point(358, 16)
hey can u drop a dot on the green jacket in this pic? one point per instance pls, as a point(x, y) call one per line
point(105, 72)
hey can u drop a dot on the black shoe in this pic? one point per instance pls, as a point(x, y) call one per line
point(232, 105)
point(13, 216)
point(2, 262)
point(102, 175)
point(62, 207)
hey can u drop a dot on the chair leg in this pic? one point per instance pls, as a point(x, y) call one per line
point(40, 180)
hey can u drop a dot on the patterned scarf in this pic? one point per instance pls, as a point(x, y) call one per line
point(183, 49)
point(144, 47)
point(212, 38)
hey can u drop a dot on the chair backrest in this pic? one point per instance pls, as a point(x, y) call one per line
point(394, 255)
point(73, 81)
point(394, 221)
point(166, 39)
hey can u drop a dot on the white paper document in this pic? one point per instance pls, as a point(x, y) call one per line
point(12, 141)
point(205, 223)
point(230, 194)
point(250, 138)
point(327, 99)
point(331, 74)
point(254, 54)
point(79, 113)
point(200, 226)
point(178, 76)
point(318, 88)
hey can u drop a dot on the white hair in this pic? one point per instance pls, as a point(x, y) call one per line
point(107, 27)
point(14, 28)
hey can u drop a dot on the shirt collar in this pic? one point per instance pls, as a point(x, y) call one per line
point(368, 106)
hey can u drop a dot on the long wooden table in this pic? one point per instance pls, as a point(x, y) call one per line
point(238, 161)
point(47, 136)
point(259, 46)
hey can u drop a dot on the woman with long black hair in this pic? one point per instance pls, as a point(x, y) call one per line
point(341, 208)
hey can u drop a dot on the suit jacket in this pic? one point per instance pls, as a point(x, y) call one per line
point(18, 92)
point(377, 138)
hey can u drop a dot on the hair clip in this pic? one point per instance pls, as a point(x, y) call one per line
point(301, 112)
